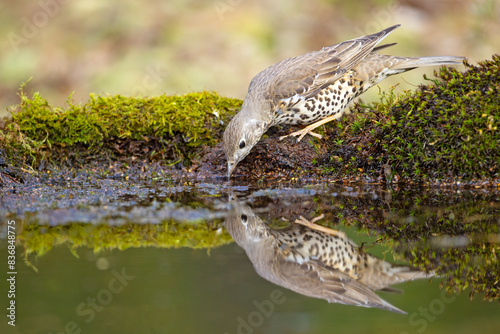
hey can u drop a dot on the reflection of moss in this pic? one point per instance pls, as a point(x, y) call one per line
point(416, 228)
point(170, 128)
point(474, 266)
point(460, 242)
point(450, 129)
point(454, 233)
point(40, 239)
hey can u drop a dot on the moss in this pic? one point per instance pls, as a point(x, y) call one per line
point(445, 131)
point(448, 129)
point(17, 150)
point(168, 128)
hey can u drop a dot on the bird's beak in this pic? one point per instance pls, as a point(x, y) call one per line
point(230, 168)
point(232, 197)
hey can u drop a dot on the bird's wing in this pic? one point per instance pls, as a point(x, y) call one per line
point(308, 74)
point(317, 280)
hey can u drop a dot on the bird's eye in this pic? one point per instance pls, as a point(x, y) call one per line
point(244, 218)
point(242, 144)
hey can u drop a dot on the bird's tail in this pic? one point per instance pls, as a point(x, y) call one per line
point(380, 275)
point(404, 273)
point(407, 64)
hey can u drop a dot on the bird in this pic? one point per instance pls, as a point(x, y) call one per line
point(316, 261)
point(314, 89)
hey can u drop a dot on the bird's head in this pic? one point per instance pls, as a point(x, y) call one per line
point(243, 224)
point(241, 134)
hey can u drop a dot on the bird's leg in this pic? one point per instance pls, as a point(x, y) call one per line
point(301, 133)
point(308, 129)
point(312, 225)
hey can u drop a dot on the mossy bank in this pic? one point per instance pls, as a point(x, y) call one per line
point(445, 131)
point(170, 129)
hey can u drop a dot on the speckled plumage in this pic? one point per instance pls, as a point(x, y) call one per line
point(314, 89)
point(314, 263)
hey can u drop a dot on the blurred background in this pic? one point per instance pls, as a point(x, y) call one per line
point(146, 48)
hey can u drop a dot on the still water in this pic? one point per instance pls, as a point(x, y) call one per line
point(200, 257)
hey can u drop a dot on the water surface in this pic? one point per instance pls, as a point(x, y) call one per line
point(119, 257)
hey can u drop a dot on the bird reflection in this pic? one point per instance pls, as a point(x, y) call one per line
point(316, 261)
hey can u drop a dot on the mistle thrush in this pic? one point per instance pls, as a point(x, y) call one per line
point(316, 261)
point(314, 89)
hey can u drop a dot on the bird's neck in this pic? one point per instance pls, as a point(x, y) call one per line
point(257, 110)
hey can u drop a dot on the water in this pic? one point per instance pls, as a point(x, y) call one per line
point(114, 256)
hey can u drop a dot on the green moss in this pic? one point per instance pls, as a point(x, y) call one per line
point(171, 128)
point(447, 130)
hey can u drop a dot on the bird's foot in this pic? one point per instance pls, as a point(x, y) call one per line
point(312, 225)
point(301, 133)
